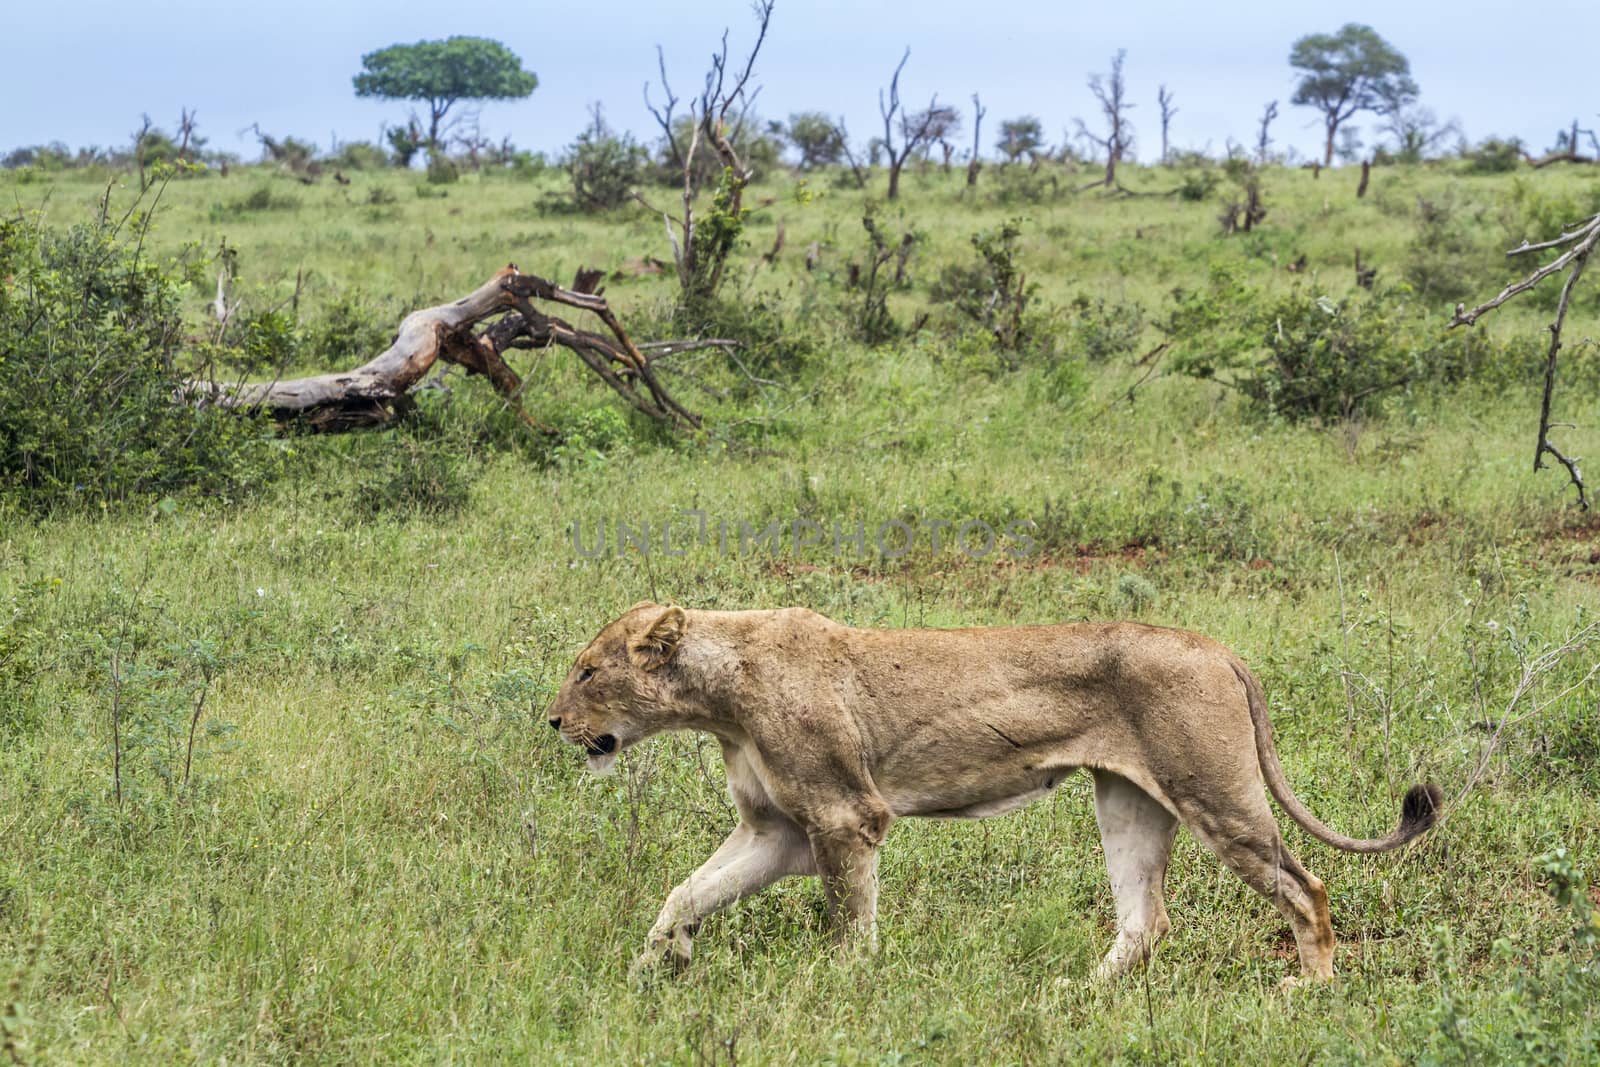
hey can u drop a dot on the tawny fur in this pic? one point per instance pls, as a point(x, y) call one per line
point(830, 733)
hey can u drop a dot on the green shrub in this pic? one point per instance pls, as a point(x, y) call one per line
point(349, 331)
point(1494, 155)
point(89, 377)
point(424, 465)
point(772, 341)
point(592, 436)
point(1301, 355)
point(527, 166)
point(1447, 260)
point(869, 318)
point(263, 342)
point(1132, 595)
point(604, 167)
point(1100, 330)
point(442, 170)
point(1326, 358)
point(1197, 185)
point(993, 292)
point(1533, 213)
point(265, 198)
point(23, 639)
point(360, 155)
point(1025, 185)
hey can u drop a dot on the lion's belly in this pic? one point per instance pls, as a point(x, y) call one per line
point(975, 797)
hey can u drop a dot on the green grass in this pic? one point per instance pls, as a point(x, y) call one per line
point(386, 855)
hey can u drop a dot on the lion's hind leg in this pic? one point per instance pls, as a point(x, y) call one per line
point(1244, 835)
point(1136, 832)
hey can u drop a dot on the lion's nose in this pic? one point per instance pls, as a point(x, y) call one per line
point(555, 723)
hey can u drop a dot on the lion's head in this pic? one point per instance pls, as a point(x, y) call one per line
point(613, 695)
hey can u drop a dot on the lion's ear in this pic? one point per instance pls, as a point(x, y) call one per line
point(640, 604)
point(657, 643)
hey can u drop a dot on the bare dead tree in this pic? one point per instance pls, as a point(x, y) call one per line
point(1366, 274)
point(857, 171)
point(471, 139)
point(945, 124)
point(1111, 92)
point(700, 249)
point(975, 164)
point(1417, 131)
point(1579, 243)
point(139, 137)
point(915, 129)
point(186, 128)
point(370, 394)
point(664, 115)
point(1566, 149)
point(1264, 134)
point(1243, 214)
point(1165, 99)
point(289, 152)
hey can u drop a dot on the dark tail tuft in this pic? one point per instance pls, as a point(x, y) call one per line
point(1419, 810)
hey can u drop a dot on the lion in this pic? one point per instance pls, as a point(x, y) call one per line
point(830, 733)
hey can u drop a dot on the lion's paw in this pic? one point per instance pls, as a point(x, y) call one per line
point(661, 955)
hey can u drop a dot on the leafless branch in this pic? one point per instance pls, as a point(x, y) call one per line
point(1518, 708)
point(1264, 134)
point(700, 269)
point(1165, 98)
point(1110, 90)
point(975, 164)
point(663, 114)
point(915, 129)
point(1582, 240)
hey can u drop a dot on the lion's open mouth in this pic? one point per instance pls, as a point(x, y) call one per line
point(603, 745)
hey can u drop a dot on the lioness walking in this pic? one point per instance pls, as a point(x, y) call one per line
point(830, 733)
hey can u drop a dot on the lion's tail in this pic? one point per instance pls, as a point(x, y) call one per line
point(1418, 811)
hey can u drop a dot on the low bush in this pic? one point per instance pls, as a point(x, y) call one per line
point(90, 377)
point(425, 465)
point(1447, 260)
point(1494, 155)
point(605, 167)
point(1197, 185)
point(349, 331)
point(1102, 330)
point(1302, 355)
point(442, 170)
point(992, 291)
point(360, 155)
point(261, 198)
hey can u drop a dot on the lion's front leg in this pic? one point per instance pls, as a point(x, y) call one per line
point(846, 853)
point(752, 858)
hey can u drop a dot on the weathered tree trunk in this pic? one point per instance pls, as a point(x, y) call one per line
point(370, 394)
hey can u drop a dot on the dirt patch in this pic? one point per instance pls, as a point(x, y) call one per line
point(1571, 545)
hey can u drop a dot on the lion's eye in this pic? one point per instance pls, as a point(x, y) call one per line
point(585, 674)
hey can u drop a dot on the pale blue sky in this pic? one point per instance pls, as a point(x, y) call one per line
point(83, 72)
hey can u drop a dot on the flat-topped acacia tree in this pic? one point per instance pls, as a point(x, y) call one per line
point(441, 73)
point(1349, 71)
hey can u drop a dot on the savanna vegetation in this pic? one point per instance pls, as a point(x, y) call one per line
point(274, 780)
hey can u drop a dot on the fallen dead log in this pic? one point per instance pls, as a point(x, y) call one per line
point(374, 392)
